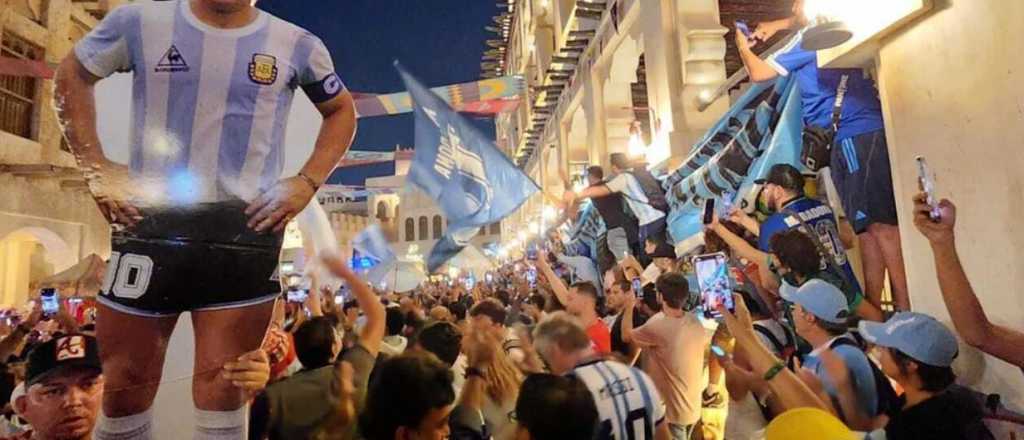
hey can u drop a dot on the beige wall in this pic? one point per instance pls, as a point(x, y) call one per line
point(951, 86)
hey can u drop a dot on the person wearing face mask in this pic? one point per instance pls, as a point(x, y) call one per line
point(783, 194)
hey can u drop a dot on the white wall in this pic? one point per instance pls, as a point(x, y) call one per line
point(951, 86)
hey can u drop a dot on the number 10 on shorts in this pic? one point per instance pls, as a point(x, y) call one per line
point(128, 275)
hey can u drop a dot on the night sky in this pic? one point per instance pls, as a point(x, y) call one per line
point(438, 41)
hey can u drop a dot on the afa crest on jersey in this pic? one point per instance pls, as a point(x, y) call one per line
point(263, 69)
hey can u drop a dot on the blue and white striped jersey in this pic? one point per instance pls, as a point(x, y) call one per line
point(209, 105)
point(628, 404)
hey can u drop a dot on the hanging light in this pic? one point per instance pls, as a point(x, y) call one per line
point(636, 142)
point(829, 30)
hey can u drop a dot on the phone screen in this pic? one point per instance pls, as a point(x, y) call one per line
point(297, 296)
point(50, 301)
point(709, 211)
point(531, 276)
point(470, 282)
point(928, 186)
point(718, 351)
point(742, 26)
point(489, 278)
point(714, 282)
point(638, 289)
point(725, 208)
point(531, 252)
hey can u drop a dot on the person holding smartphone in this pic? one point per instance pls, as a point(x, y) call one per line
point(674, 340)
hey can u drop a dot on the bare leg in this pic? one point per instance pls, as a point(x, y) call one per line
point(874, 267)
point(132, 349)
point(222, 336)
point(888, 237)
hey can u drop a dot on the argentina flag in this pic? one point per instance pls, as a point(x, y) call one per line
point(462, 170)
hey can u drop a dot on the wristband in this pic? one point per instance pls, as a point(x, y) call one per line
point(774, 371)
point(473, 371)
point(309, 180)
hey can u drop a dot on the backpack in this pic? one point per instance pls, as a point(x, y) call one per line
point(788, 348)
point(887, 401)
point(651, 187)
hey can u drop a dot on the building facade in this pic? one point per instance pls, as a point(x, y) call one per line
point(626, 76)
point(48, 220)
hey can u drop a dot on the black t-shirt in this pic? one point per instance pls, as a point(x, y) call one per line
point(612, 210)
point(618, 345)
point(951, 415)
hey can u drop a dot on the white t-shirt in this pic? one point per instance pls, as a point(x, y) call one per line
point(630, 189)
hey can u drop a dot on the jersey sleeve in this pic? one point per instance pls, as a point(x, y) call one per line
point(619, 183)
point(791, 58)
point(104, 50)
point(316, 75)
point(769, 228)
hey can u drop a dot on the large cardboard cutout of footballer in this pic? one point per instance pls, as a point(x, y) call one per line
point(199, 211)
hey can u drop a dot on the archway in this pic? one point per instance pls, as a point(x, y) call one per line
point(28, 254)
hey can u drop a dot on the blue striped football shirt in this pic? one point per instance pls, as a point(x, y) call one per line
point(628, 404)
point(209, 105)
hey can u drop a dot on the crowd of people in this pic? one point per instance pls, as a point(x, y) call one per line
point(557, 357)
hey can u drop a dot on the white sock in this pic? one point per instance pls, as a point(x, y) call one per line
point(134, 427)
point(221, 425)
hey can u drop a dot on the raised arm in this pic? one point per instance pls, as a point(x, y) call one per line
point(964, 308)
point(557, 286)
point(759, 70)
point(373, 332)
point(739, 246)
point(786, 385)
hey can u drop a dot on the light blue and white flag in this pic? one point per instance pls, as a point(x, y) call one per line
point(370, 242)
point(473, 182)
point(762, 129)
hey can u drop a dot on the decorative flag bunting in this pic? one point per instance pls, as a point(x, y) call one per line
point(482, 97)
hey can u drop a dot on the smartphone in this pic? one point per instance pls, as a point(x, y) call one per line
point(531, 252)
point(709, 211)
point(742, 27)
point(726, 206)
point(531, 276)
point(719, 352)
point(489, 278)
point(470, 282)
point(50, 301)
point(297, 296)
point(714, 282)
point(928, 186)
point(638, 289)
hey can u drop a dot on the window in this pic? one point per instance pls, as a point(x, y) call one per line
point(437, 227)
point(423, 228)
point(17, 93)
point(410, 230)
point(495, 228)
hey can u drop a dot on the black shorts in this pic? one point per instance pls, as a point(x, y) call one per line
point(863, 177)
point(186, 258)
